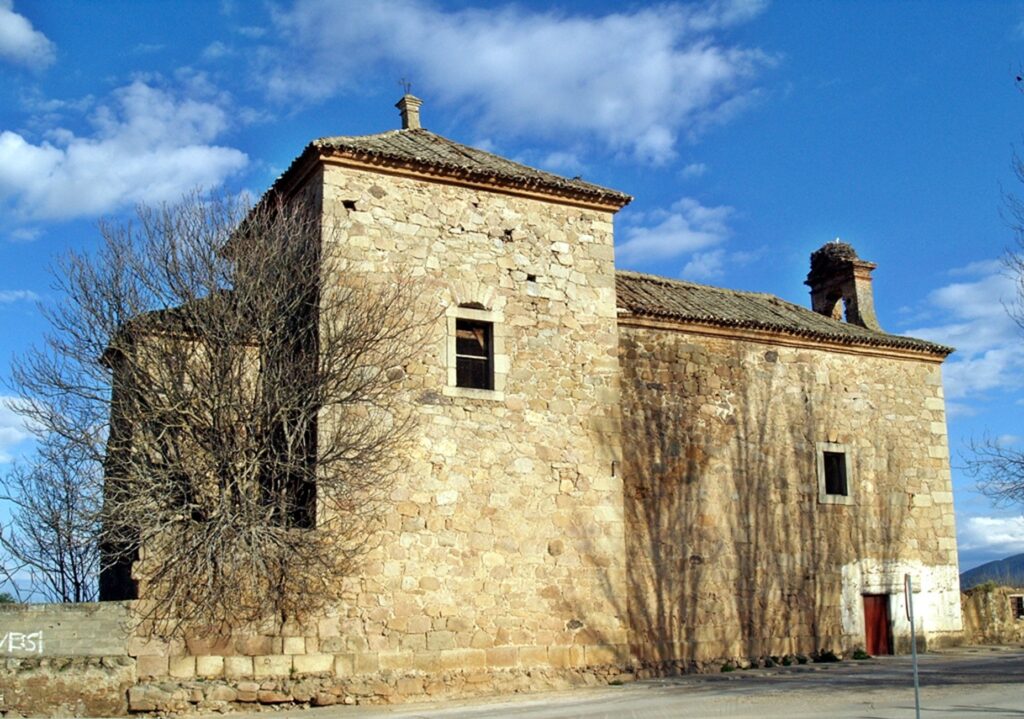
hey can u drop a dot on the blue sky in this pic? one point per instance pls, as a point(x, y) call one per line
point(750, 133)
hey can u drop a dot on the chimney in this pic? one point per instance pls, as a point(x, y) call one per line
point(839, 280)
point(409, 106)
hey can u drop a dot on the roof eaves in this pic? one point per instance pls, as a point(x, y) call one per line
point(850, 337)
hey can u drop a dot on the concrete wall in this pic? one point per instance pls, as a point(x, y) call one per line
point(731, 554)
point(65, 659)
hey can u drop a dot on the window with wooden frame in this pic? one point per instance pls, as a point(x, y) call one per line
point(1017, 606)
point(474, 354)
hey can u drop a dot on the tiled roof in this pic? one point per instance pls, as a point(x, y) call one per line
point(425, 151)
point(653, 296)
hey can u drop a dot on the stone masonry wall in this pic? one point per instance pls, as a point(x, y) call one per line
point(988, 615)
point(730, 553)
point(501, 562)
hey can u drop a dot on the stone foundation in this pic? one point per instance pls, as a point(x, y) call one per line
point(383, 688)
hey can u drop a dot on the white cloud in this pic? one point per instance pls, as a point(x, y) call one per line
point(636, 80)
point(20, 42)
point(704, 266)
point(563, 162)
point(9, 296)
point(982, 539)
point(694, 169)
point(688, 226)
point(13, 430)
point(217, 50)
point(990, 348)
point(148, 145)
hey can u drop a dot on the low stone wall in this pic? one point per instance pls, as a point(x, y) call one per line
point(989, 617)
point(386, 686)
point(65, 659)
point(88, 660)
point(316, 666)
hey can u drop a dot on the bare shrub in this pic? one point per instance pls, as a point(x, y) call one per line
point(243, 395)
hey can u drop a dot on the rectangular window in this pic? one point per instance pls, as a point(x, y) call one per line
point(835, 478)
point(474, 356)
point(835, 474)
point(1017, 606)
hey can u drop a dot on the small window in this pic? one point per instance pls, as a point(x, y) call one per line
point(1017, 606)
point(835, 481)
point(835, 474)
point(474, 356)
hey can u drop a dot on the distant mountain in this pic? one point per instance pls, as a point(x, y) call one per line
point(1009, 571)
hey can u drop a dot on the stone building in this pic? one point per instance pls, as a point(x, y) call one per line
point(613, 469)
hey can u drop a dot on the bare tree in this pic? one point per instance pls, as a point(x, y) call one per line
point(998, 468)
point(50, 537)
point(242, 396)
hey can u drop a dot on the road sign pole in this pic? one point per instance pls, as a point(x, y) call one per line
point(909, 590)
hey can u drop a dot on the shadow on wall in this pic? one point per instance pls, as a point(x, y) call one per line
point(729, 554)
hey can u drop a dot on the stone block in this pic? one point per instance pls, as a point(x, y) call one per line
point(221, 693)
point(238, 667)
point(456, 659)
point(313, 663)
point(253, 645)
point(140, 647)
point(559, 657)
point(395, 660)
point(533, 656)
point(198, 645)
point(274, 665)
point(182, 667)
point(209, 666)
point(410, 686)
point(365, 663)
point(344, 665)
point(502, 656)
point(598, 655)
point(246, 695)
point(440, 640)
point(323, 699)
point(272, 696)
point(331, 645)
point(147, 698)
point(294, 645)
point(149, 665)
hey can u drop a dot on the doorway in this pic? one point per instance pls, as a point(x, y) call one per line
point(877, 624)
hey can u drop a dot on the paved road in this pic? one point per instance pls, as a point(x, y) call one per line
point(961, 684)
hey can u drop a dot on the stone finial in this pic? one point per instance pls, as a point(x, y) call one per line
point(409, 106)
point(840, 280)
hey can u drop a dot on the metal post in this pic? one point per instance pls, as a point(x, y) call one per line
point(909, 587)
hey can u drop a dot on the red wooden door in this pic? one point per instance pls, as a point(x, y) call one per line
point(877, 626)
